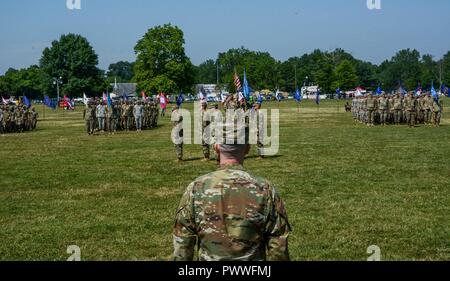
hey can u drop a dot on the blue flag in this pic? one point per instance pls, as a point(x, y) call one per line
point(338, 92)
point(246, 88)
point(379, 91)
point(180, 99)
point(444, 90)
point(260, 99)
point(434, 93)
point(298, 96)
point(109, 100)
point(48, 102)
point(26, 102)
point(318, 97)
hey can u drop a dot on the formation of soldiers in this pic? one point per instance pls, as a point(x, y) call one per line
point(397, 109)
point(120, 116)
point(17, 118)
point(208, 125)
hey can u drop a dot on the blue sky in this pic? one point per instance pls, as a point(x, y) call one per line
point(285, 28)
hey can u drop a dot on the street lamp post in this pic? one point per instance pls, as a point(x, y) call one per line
point(57, 82)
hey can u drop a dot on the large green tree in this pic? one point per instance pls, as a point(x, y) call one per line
point(74, 60)
point(26, 81)
point(121, 71)
point(161, 63)
point(404, 69)
point(344, 76)
point(206, 73)
point(261, 68)
point(446, 69)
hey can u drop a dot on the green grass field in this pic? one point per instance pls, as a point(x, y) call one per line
point(346, 187)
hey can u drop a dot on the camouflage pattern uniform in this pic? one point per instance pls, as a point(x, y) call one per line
point(34, 117)
point(178, 122)
point(420, 110)
point(235, 216)
point(206, 132)
point(231, 103)
point(428, 107)
point(383, 109)
point(123, 116)
point(410, 107)
point(391, 111)
point(19, 119)
point(89, 116)
point(398, 107)
point(371, 107)
point(436, 112)
point(113, 116)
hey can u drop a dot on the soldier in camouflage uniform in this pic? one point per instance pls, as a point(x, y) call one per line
point(260, 130)
point(428, 108)
point(363, 111)
point(383, 109)
point(34, 117)
point(123, 117)
point(89, 117)
point(155, 114)
point(177, 121)
point(113, 115)
point(231, 103)
point(206, 130)
point(398, 108)
point(410, 107)
point(371, 107)
point(146, 120)
point(138, 114)
point(391, 110)
point(231, 215)
point(436, 112)
point(420, 110)
point(19, 118)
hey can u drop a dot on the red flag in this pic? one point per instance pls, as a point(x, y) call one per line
point(144, 96)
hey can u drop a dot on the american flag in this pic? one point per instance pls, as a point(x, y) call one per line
point(237, 82)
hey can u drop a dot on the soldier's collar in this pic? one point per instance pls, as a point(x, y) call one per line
point(231, 167)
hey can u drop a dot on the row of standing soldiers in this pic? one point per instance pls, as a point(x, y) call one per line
point(397, 109)
point(208, 119)
point(120, 116)
point(17, 118)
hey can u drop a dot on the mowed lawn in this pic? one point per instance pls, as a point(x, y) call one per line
point(346, 187)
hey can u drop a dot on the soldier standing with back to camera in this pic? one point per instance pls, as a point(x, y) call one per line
point(231, 215)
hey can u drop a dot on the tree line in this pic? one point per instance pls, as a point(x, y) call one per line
point(162, 66)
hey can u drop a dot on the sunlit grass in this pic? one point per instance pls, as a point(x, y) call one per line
point(346, 187)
